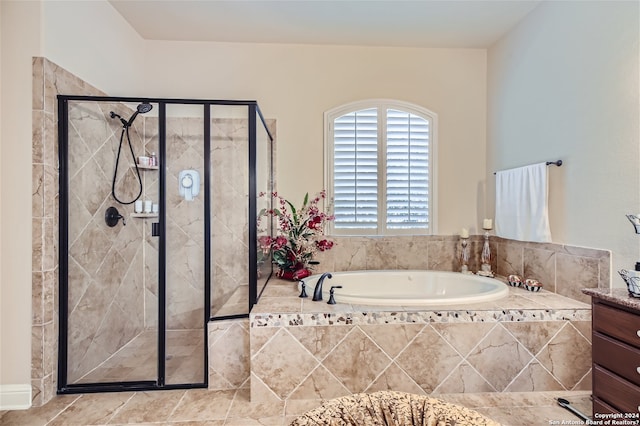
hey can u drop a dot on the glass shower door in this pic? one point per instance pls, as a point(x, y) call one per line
point(184, 219)
point(109, 260)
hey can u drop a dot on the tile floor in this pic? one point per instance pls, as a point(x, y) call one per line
point(232, 407)
point(138, 359)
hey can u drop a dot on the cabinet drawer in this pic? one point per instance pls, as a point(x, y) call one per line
point(622, 359)
point(618, 393)
point(622, 325)
point(602, 407)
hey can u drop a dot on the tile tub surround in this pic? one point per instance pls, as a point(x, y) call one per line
point(526, 342)
point(562, 269)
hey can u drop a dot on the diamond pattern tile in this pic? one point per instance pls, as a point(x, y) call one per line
point(534, 336)
point(429, 359)
point(464, 379)
point(319, 340)
point(463, 336)
point(534, 377)
point(392, 338)
point(567, 356)
point(320, 384)
point(282, 353)
point(356, 361)
point(499, 357)
point(393, 378)
point(229, 355)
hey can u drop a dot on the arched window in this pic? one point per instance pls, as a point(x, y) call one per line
point(380, 168)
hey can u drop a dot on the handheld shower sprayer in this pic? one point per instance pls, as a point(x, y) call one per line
point(142, 108)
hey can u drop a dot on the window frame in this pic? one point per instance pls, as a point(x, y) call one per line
point(382, 105)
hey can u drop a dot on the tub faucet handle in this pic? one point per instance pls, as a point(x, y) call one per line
point(303, 292)
point(332, 300)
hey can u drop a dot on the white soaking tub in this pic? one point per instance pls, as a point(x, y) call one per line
point(409, 288)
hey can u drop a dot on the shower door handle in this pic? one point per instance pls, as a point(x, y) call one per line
point(155, 229)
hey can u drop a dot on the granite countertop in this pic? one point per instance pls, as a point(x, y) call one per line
point(619, 296)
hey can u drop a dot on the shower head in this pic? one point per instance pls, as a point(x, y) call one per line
point(142, 108)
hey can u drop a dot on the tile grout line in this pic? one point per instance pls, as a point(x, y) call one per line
point(64, 409)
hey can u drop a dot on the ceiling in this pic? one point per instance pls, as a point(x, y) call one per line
point(415, 23)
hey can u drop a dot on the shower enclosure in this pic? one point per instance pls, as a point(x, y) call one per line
point(159, 200)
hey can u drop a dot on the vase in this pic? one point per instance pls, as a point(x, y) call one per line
point(293, 275)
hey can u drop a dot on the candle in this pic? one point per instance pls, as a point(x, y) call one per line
point(464, 233)
point(487, 224)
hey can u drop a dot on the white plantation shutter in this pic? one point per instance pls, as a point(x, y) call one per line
point(379, 170)
point(407, 171)
point(355, 177)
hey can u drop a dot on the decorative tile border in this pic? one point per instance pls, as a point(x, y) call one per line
point(426, 317)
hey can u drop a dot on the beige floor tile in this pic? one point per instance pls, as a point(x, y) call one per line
point(242, 407)
point(203, 407)
point(266, 421)
point(203, 404)
point(92, 409)
point(148, 407)
point(37, 416)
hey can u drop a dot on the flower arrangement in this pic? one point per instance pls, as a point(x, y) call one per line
point(299, 237)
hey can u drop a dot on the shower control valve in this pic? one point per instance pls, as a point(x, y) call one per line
point(112, 216)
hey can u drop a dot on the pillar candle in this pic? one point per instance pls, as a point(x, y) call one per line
point(487, 224)
point(464, 233)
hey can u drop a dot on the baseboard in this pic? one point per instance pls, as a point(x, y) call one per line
point(15, 397)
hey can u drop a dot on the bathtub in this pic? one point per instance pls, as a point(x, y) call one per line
point(409, 288)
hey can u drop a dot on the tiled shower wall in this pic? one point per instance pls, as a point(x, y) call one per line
point(49, 80)
point(186, 219)
point(560, 268)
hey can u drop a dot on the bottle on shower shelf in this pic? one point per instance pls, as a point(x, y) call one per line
point(153, 160)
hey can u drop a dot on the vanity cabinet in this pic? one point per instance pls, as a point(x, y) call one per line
point(616, 357)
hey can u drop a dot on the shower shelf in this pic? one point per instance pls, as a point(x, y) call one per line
point(141, 167)
point(144, 215)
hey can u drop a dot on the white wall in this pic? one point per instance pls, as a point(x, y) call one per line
point(93, 41)
point(564, 85)
point(295, 84)
point(20, 28)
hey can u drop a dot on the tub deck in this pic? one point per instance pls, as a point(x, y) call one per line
point(280, 300)
point(526, 342)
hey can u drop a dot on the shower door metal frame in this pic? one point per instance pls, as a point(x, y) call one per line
point(63, 134)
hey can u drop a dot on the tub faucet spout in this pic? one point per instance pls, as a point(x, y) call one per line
point(317, 293)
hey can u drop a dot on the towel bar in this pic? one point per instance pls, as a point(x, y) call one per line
point(556, 163)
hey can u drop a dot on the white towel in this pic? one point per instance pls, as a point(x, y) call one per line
point(522, 206)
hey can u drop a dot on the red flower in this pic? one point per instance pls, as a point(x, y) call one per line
point(315, 223)
point(300, 232)
point(324, 245)
point(279, 242)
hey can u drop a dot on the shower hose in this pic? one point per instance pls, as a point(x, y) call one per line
point(125, 129)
